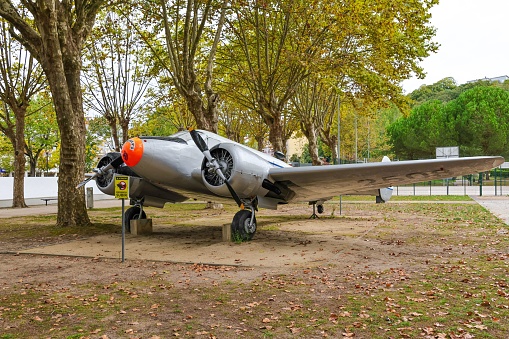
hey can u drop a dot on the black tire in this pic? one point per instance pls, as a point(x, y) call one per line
point(240, 226)
point(319, 208)
point(131, 214)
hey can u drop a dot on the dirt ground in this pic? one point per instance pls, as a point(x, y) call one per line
point(361, 239)
point(297, 277)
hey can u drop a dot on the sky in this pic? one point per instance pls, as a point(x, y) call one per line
point(474, 42)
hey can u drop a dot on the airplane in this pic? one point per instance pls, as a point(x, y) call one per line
point(202, 165)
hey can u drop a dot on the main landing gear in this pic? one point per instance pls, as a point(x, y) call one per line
point(132, 213)
point(243, 226)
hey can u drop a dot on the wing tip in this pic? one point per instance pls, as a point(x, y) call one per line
point(498, 161)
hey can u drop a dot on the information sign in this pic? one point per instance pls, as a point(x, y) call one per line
point(121, 187)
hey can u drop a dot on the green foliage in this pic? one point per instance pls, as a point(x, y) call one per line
point(477, 121)
point(421, 132)
point(445, 90)
point(41, 133)
point(6, 154)
point(480, 117)
point(431, 92)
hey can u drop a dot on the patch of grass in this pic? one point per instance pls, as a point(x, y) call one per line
point(406, 198)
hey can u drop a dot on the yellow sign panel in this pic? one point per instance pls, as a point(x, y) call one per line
point(121, 187)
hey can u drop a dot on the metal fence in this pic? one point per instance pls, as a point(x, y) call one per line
point(478, 185)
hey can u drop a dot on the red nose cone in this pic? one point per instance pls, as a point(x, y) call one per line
point(132, 151)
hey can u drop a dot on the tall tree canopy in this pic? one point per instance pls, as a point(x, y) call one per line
point(477, 121)
point(117, 69)
point(480, 117)
point(365, 48)
point(418, 135)
point(192, 32)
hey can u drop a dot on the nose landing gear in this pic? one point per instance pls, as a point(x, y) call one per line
point(243, 225)
point(132, 213)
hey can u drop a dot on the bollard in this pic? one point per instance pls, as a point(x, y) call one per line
point(90, 197)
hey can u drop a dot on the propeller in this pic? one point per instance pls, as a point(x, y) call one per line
point(213, 163)
point(103, 170)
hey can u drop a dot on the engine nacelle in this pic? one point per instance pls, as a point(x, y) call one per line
point(106, 181)
point(244, 170)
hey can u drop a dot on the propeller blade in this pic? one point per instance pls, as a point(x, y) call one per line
point(230, 188)
point(202, 146)
point(198, 140)
point(233, 193)
point(84, 182)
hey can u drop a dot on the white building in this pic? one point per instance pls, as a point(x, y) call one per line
point(500, 79)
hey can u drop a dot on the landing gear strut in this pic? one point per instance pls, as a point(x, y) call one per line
point(132, 213)
point(243, 226)
point(319, 209)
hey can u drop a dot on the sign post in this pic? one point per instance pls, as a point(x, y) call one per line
point(122, 192)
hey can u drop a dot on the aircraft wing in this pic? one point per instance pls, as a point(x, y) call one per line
point(315, 182)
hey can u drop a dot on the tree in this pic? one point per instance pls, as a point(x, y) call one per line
point(429, 92)
point(233, 122)
point(21, 78)
point(41, 136)
point(480, 117)
point(268, 42)
point(418, 135)
point(98, 132)
point(190, 51)
point(54, 34)
point(117, 71)
point(257, 131)
point(6, 154)
point(313, 102)
point(165, 114)
point(366, 49)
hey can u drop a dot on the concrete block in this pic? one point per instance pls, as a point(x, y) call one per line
point(227, 232)
point(214, 205)
point(141, 226)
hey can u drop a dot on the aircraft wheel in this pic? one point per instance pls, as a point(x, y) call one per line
point(319, 208)
point(240, 226)
point(131, 214)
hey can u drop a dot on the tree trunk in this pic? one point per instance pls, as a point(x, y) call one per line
point(331, 142)
point(18, 198)
point(57, 41)
point(114, 132)
point(260, 140)
point(71, 201)
point(211, 114)
point(206, 118)
point(275, 130)
point(33, 166)
point(309, 131)
point(194, 104)
point(62, 66)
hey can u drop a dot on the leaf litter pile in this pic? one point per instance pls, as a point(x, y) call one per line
point(445, 276)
